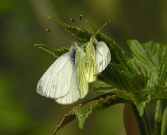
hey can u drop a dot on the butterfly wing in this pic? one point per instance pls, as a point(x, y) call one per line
point(82, 80)
point(73, 95)
point(56, 81)
point(103, 56)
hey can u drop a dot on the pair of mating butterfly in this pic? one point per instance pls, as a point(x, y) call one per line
point(67, 79)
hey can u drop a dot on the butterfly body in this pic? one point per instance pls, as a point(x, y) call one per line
point(90, 62)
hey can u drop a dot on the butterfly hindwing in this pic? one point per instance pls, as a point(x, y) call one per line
point(103, 56)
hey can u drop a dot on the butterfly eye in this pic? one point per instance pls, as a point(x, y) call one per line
point(94, 44)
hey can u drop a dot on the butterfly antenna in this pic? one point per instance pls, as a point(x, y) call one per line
point(106, 23)
point(90, 25)
point(69, 41)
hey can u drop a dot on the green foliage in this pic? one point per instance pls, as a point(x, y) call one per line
point(137, 79)
point(122, 77)
point(149, 59)
point(117, 54)
point(55, 53)
point(143, 75)
point(81, 34)
point(82, 111)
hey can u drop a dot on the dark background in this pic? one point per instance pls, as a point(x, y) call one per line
point(23, 23)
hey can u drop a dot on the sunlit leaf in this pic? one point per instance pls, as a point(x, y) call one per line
point(148, 59)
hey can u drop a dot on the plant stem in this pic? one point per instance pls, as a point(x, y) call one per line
point(142, 122)
point(164, 122)
point(158, 117)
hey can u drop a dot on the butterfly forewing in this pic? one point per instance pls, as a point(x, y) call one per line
point(56, 81)
point(73, 95)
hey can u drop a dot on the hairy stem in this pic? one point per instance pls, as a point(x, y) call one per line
point(158, 117)
point(143, 122)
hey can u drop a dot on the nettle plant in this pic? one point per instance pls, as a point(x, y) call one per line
point(137, 80)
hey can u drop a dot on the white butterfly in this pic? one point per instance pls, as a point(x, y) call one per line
point(66, 80)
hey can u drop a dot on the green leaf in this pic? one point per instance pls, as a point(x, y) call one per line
point(139, 78)
point(82, 111)
point(163, 70)
point(101, 87)
point(129, 84)
point(123, 78)
point(148, 59)
point(81, 34)
point(55, 53)
point(117, 54)
point(138, 99)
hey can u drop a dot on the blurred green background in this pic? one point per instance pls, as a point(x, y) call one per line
point(23, 23)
